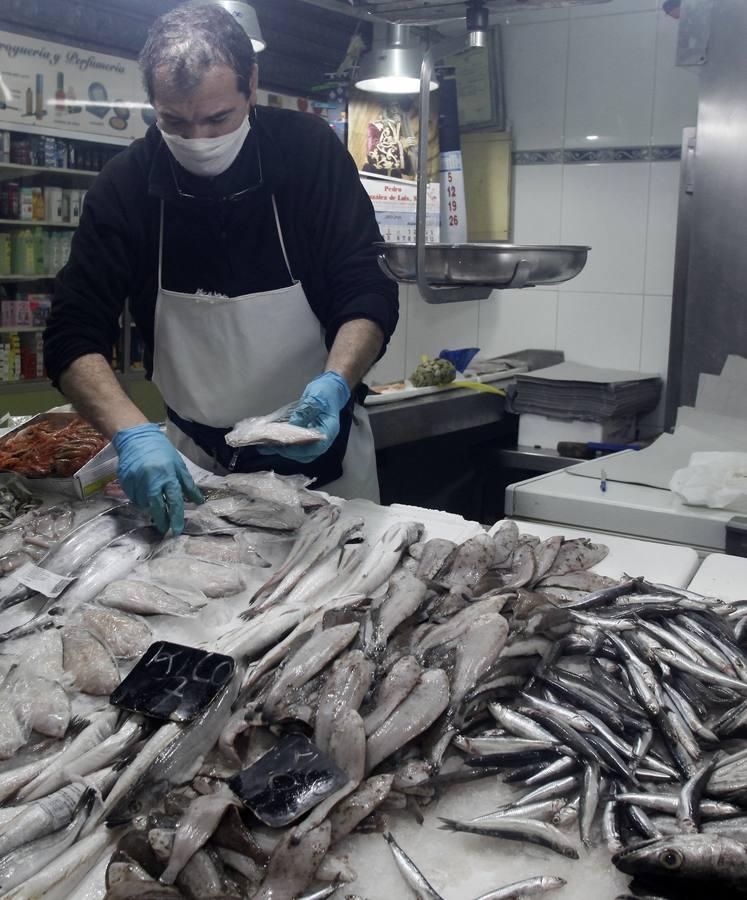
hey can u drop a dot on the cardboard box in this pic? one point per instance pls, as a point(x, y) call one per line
point(92, 477)
point(542, 431)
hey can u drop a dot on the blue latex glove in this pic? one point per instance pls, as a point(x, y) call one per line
point(154, 476)
point(319, 408)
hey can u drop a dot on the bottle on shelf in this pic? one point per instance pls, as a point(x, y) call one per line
point(59, 95)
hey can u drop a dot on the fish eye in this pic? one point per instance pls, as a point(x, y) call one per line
point(670, 858)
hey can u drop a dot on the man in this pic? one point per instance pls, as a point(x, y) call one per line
point(242, 240)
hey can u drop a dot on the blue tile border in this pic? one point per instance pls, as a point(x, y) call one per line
point(663, 153)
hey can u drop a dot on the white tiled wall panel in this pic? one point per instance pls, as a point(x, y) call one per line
point(601, 329)
point(662, 227)
point(391, 367)
point(610, 80)
point(535, 95)
point(675, 88)
point(433, 327)
point(517, 320)
point(657, 313)
point(613, 7)
point(537, 197)
point(604, 69)
point(604, 205)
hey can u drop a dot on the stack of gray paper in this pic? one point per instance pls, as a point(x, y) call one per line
point(575, 391)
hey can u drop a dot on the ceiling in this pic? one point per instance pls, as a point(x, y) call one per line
point(304, 41)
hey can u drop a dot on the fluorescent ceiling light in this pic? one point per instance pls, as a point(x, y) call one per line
point(394, 69)
point(592, 137)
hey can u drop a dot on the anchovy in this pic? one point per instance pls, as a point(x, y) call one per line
point(704, 672)
point(416, 881)
point(516, 829)
point(530, 887)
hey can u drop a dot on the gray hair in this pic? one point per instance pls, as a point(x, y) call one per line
point(184, 43)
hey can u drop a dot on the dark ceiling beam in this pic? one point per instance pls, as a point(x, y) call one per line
point(304, 42)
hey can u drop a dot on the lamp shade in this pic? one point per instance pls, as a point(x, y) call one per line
point(244, 15)
point(393, 69)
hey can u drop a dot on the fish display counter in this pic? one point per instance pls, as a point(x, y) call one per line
point(303, 697)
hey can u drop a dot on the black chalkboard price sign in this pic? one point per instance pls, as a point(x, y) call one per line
point(174, 682)
point(288, 781)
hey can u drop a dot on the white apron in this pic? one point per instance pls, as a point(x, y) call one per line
point(217, 360)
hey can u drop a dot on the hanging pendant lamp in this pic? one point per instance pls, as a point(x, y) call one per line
point(393, 69)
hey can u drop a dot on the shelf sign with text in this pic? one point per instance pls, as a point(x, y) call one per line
point(46, 85)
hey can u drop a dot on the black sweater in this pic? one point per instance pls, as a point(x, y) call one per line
point(230, 246)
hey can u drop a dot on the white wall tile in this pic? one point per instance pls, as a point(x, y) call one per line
point(391, 367)
point(433, 327)
point(662, 227)
point(675, 88)
point(610, 80)
point(601, 329)
point(517, 320)
point(535, 59)
point(657, 314)
point(605, 206)
point(615, 6)
point(537, 202)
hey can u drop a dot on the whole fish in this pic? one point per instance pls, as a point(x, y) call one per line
point(414, 878)
point(398, 684)
point(708, 858)
point(58, 879)
point(96, 757)
point(90, 662)
point(195, 829)
point(126, 635)
point(210, 579)
point(332, 537)
point(577, 553)
point(112, 563)
point(145, 599)
point(505, 541)
point(311, 658)
point(351, 811)
point(529, 887)
point(27, 860)
point(292, 866)
point(212, 548)
point(435, 559)
point(383, 558)
point(515, 829)
point(180, 758)
point(74, 552)
point(403, 598)
point(255, 512)
point(100, 726)
point(345, 687)
point(418, 711)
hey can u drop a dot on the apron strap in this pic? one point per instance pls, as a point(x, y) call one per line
point(160, 249)
point(282, 242)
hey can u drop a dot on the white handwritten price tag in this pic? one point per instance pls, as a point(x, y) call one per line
point(50, 584)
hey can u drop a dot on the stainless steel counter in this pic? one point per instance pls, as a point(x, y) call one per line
point(432, 416)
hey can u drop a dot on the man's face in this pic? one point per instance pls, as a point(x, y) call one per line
point(215, 107)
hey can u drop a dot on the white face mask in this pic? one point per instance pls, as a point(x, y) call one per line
point(207, 156)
